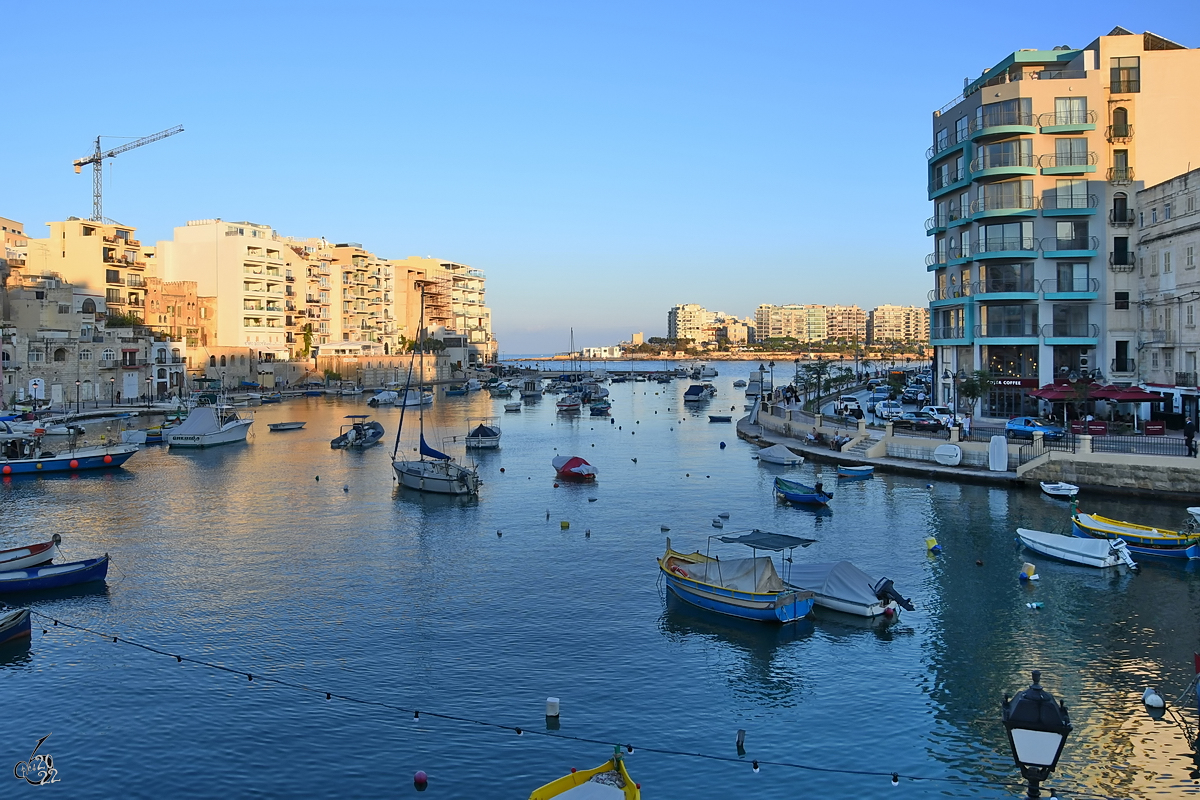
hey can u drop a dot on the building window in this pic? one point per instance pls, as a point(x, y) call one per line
point(1154, 359)
point(108, 355)
point(1191, 315)
point(1168, 360)
point(36, 356)
point(1070, 111)
point(222, 361)
point(1121, 301)
point(1125, 75)
point(960, 129)
point(86, 355)
point(1154, 264)
point(1166, 211)
point(212, 361)
point(1166, 262)
point(63, 308)
point(89, 306)
point(1154, 215)
point(1189, 257)
point(1120, 126)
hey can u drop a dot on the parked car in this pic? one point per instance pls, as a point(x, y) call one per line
point(910, 394)
point(877, 396)
point(888, 409)
point(944, 414)
point(918, 421)
point(1024, 428)
point(848, 406)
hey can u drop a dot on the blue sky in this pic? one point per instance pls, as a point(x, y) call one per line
point(601, 161)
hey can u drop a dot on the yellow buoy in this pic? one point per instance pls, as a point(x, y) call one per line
point(564, 524)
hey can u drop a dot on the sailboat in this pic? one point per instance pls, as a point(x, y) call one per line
point(432, 471)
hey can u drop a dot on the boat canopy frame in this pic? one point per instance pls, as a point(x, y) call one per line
point(757, 540)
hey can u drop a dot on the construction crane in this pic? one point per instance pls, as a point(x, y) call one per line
point(96, 159)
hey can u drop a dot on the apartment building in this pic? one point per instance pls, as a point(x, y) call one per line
point(689, 321)
point(1167, 303)
point(362, 303)
point(845, 324)
point(889, 323)
point(103, 259)
point(175, 308)
point(809, 323)
point(1033, 171)
point(455, 304)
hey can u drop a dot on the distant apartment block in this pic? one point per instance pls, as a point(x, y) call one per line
point(845, 324)
point(806, 323)
point(704, 327)
point(1034, 171)
point(888, 323)
point(102, 258)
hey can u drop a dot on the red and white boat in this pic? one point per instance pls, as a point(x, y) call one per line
point(570, 403)
point(574, 468)
point(30, 556)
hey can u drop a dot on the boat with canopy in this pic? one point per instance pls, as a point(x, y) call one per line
point(360, 433)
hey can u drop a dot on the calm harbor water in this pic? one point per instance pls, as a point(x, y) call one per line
point(239, 556)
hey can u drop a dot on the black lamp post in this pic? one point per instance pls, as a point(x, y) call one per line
point(77, 385)
point(1037, 727)
point(112, 392)
point(149, 383)
point(771, 366)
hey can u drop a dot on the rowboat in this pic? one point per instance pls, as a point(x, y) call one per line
point(573, 468)
point(779, 454)
point(801, 493)
point(609, 781)
point(14, 625)
point(747, 588)
point(1139, 539)
point(54, 576)
point(286, 426)
point(358, 434)
point(33, 555)
point(271, 398)
point(1060, 489)
point(720, 418)
point(1089, 552)
point(841, 586)
point(512, 407)
point(845, 471)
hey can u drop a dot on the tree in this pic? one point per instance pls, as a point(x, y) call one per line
point(308, 340)
point(817, 371)
point(976, 386)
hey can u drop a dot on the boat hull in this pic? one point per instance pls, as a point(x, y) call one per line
point(780, 607)
point(436, 477)
point(32, 556)
point(855, 472)
point(234, 432)
point(1062, 491)
point(577, 778)
point(54, 576)
point(286, 426)
point(14, 626)
point(1046, 544)
point(1135, 543)
point(84, 458)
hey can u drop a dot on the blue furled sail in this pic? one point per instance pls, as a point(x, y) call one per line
point(426, 450)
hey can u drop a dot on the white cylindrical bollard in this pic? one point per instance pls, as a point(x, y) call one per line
point(551, 706)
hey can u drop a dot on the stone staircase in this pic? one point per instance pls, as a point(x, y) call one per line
point(859, 450)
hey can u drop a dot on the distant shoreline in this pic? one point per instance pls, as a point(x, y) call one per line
point(781, 357)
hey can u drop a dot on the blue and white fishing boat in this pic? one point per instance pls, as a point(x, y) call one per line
point(1140, 539)
point(847, 471)
point(54, 576)
point(14, 625)
point(795, 492)
point(455, 390)
point(27, 454)
point(748, 588)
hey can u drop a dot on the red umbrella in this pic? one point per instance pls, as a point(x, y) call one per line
point(1107, 392)
point(1136, 394)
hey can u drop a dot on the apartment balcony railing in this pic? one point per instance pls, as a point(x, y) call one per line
point(1025, 330)
point(1185, 379)
point(938, 147)
point(1070, 330)
point(111, 239)
point(1118, 133)
point(1063, 118)
point(135, 280)
point(1057, 160)
point(1158, 335)
point(134, 301)
point(942, 180)
point(1055, 202)
point(1024, 243)
point(1123, 366)
point(1125, 87)
point(1077, 243)
point(935, 258)
point(1120, 175)
point(1004, 285)
point(1080, 285)
point(999, 119)
point(132, 243)
point(115, 300)
point(1122, 261)
point(1006, 203)
point(1004, 160)
point(1125, 218)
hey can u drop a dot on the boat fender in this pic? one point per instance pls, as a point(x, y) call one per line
point(679, 571)
point(1153, 699)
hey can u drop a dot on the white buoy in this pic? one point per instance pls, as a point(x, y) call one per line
point(1153, 699)
point(552, 707)
point(663, 528)
point(724, 515)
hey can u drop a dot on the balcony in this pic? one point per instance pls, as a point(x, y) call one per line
point(941, 184)
point(1004, 164)
point(135, 280)
point(1007, 330)
point(1118, 133)
point(998, 123)
point(132, 243)
point(1054, 205)
point(1122, 262)
point(1021, 206)
point(1120, 176)
point(1021, 247)
point(1185, 379)
point(1071, 289)
point(1125, 87)
point(1067, 164)
point(1071, 333)
point(1006, 288)
point(115, 300)
point(1079, 247)
point(1123, 218)
point(1067, 121)
point(136, 264)
point(1123, 366)
point(935, 260)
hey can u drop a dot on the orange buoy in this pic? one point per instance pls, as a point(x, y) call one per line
point(74, 464)
point(7, 470)
point(107, 459)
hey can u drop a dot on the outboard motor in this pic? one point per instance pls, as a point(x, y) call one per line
point(886, 592)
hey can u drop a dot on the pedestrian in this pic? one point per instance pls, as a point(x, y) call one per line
point(966, 425)
point(1189, 435)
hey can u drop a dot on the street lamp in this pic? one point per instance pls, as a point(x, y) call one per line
point(771, 365)
point(1037, 727)
point(77, 385)
point(149, 381)
point(112, 392)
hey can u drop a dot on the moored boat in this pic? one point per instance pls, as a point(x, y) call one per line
point(779, 454)
point(574, 468)
point(841, 586)
point(512, 407)
point(598, 408)
point(1088, 552)
point(286, 426)
point(748, 588)
point(739, 384)
point(609, 781)
point(1059, 489)
point(27, 454)
point(720, 418)
point(274, 397)
point(33, 555)
point(1140, 539)
point(54, 576)
point(208, 426)
point(847, 471)
point(14, 625)
point(361, 432)
point(455, 390)
point(484, 433)
point(796, 492)
point(385, 397)
point(569, 403)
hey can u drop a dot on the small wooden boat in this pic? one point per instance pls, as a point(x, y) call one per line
point(30, 454)
point(795, 492)
point(748, 588)
point(720, 418)
point(286, 426)
point(1060, 489)
point(14, 625)
point(1089, 552)
point(609, 781)
point(314, 392)
point(455, 390)
point(358, 434)
point(601, 407)
point(778, 454)
point(54, 576)
point(512, 407)
point(845, 471)
point(841, 586)
point(33, 555)
point(271, 398)
point(573, 468)
point(1140, 539)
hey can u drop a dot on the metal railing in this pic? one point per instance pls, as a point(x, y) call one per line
point(1185, 379)
point(1125, 87)
point(1061, 330)
point(1021, 203)
point(1055, 202)
point(993, 285)
point(938, 147)
point(1081, 117)
point(1123, 365)
point(1015, 329)
point(935, 258)
point(947, 332)
point(980, 433)
point(1070, 285)
point(1126, 217)
point(1122, 261)
point(1118, 133)
point(1028, 452)
point(1120, 175)
point(1067, 160)
point(936, 221)
point(996, 119)
point(948, 293)
point(1141, 445)
point(135, 280)
point(1076, 243)
point(1002, 160)
point(1001, 245)
point(940, 180)
point(940, 433)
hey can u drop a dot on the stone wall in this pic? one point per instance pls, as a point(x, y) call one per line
point(1132, 473)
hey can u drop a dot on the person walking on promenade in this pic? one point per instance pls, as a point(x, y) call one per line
point(1189, 436)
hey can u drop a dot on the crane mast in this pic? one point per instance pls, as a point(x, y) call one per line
point(96, 159)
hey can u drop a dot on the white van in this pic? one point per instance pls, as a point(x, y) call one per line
point(847, 406)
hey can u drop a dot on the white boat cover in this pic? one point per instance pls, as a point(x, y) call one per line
point(779, 454)
point(739, 574)
point(385, 397)
point(202, 420)
point(840, 580)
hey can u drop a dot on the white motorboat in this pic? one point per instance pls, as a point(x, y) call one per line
point(1060, 489)
point(531, 387)
point(473, 385)
point(570, 403)
point(416, 397)
point(483, 433)
point(841, 586)
point(44, 428)
point(512, 407)
point(779, 454)
point(286, 426)
point(1089, 552)
point(383, 398)
point(208, 426)
point(1195, 512)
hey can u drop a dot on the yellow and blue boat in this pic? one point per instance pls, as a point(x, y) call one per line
point(748, 588)
point(609, 781)
point(1138, 538)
